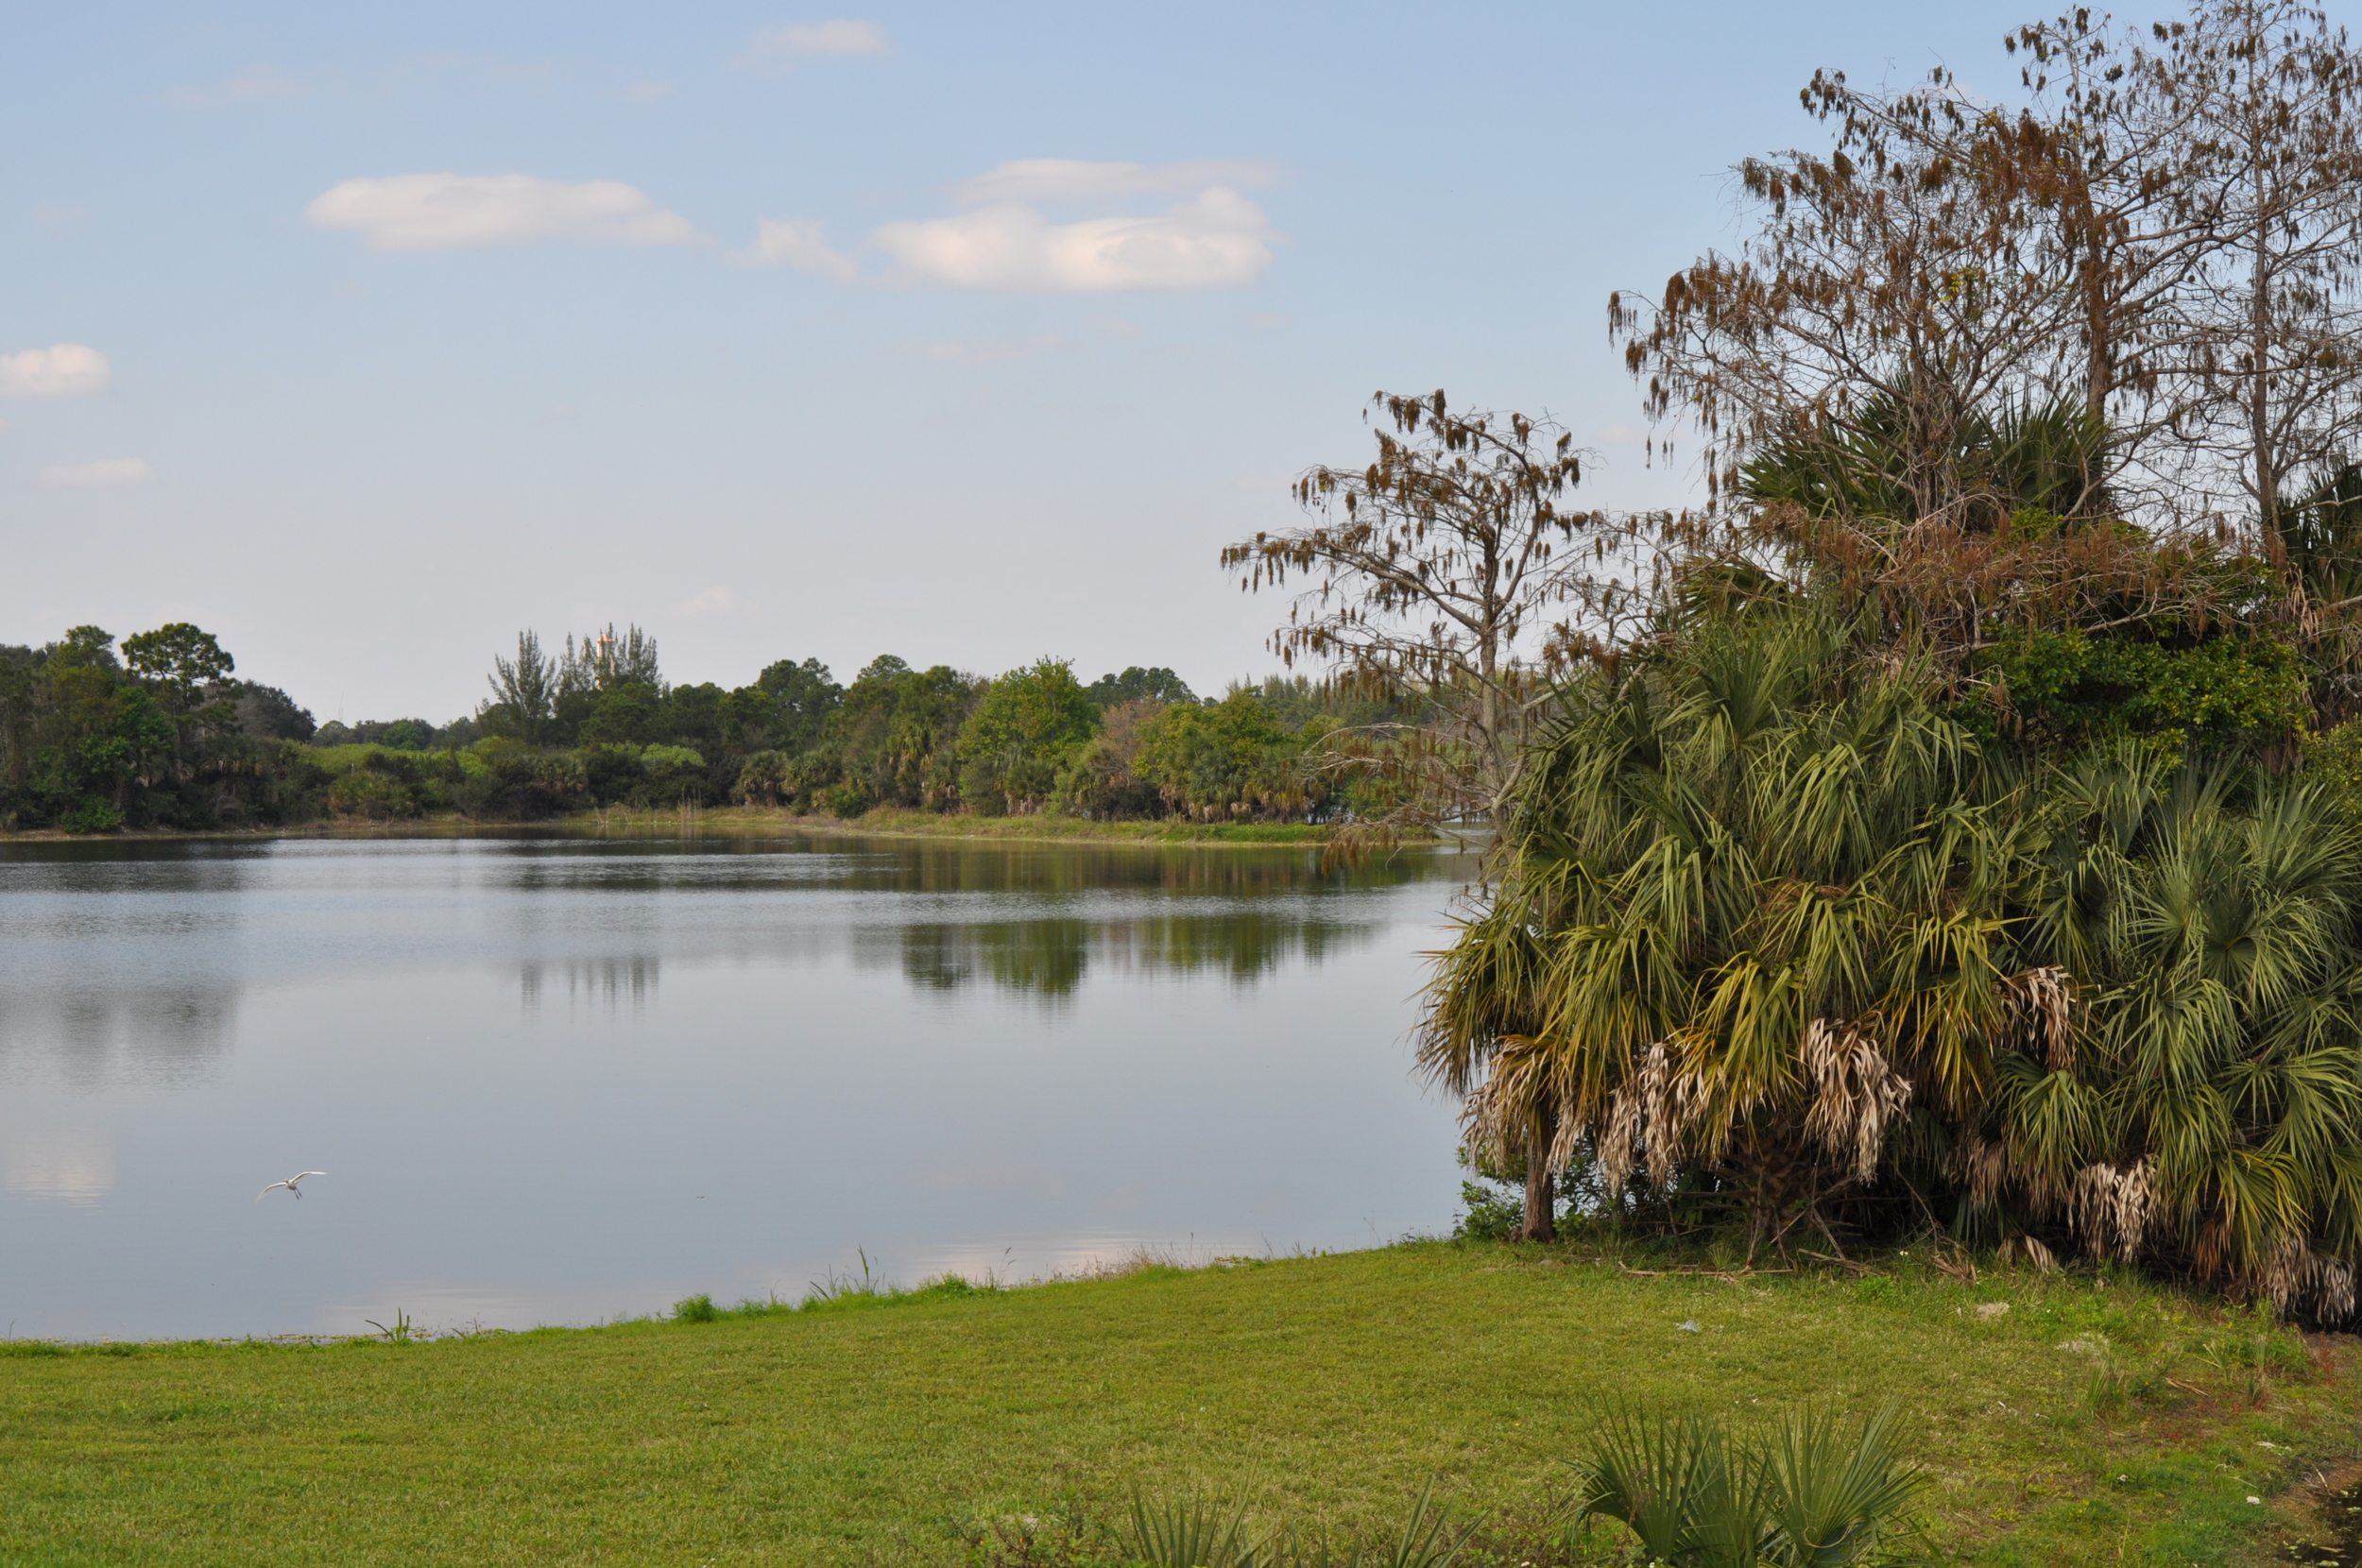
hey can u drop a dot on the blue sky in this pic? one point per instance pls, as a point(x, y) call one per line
point(967, 333)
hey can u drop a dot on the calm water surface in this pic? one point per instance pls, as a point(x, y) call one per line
point(563, 1081)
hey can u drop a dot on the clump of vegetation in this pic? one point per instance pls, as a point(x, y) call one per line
point(1955, 826)
point(156, 735)
point(1816, 1491)
point(1197, 1531)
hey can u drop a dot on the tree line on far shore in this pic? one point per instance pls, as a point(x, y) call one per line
point(159, 733)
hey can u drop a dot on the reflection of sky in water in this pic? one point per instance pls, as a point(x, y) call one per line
point(60, 1163)
point(523, 1124)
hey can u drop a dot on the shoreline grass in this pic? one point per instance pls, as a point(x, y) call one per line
point(752, 821)
point(2098, 1418)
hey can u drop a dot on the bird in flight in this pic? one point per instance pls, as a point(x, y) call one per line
point(289, 1183)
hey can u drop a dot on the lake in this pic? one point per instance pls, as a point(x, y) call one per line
point(562, 1079)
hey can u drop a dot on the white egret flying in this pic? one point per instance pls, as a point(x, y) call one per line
point(289, 1183)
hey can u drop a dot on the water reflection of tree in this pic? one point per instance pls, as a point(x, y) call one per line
point(607, 983)
point(1050, 957)
point(1043, 957)
point(1067, 868)
point(885, 866)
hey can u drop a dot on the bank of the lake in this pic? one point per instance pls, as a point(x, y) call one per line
point(2094, 1419)
point(759, 821)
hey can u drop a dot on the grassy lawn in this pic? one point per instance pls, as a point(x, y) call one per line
point(1331, 1388)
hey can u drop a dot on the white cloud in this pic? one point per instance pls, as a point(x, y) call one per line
point(1057, 180)
point(647, 92)
point(1217, 239)
point(60, 370)
point(106, 471)
point(255, 84)
point(448, 212)
point(785, 242)
point(778, 48)
point(714, 601)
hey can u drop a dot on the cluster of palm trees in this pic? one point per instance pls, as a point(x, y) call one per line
point(1777, 930)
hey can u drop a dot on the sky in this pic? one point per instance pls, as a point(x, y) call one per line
point(364, 335)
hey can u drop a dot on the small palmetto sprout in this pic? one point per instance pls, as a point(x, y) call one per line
point(1815, 1493)
point(1672, 1480)
point(1194, 1531)
point(1835, 1491)
point(1431, 1539)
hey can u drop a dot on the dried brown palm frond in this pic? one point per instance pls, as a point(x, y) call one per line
point(2297, 1277)
point(1857, 1094)
point(1499, 1113)
point(1648, 1120)
point(2112, 1210)
point(2032, 1250)
point(1982, 1166)
point(2044, 999)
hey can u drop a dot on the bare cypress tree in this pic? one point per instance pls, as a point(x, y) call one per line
point(2112, 143)
point(1435, 573)
point(2278, 171)
point(1892, 294)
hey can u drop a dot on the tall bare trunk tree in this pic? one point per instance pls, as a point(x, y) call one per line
point(1893, 294)
point(2111, 140)
point(2279, 169)
point(1434, 573)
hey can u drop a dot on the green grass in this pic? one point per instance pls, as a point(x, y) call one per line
point(1053, 825)
point(868, 1429)
point(756, 821)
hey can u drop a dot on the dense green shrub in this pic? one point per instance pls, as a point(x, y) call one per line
point(1230, 758)
point(160, 736)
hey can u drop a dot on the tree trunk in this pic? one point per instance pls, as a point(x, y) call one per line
point(2267, 463)
point(1540, 1219)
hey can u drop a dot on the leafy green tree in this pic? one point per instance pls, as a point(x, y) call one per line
point(1773, 924)
point(1025, 727)
point(1754, 864)
point(624, 714)
point(1135, 684)
point(179, 661)
point(696, 716)
point(789, 705)
point(267, 713)
point(767, 778)
point(1223, 760)
point(895, 738)
point(675, 773)
point(503, 778)
point(613, 774)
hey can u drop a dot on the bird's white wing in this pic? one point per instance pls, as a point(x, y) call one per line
point(300, 1175)
point(269, 1190)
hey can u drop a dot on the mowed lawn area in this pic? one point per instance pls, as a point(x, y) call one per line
point(2095, 1421)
